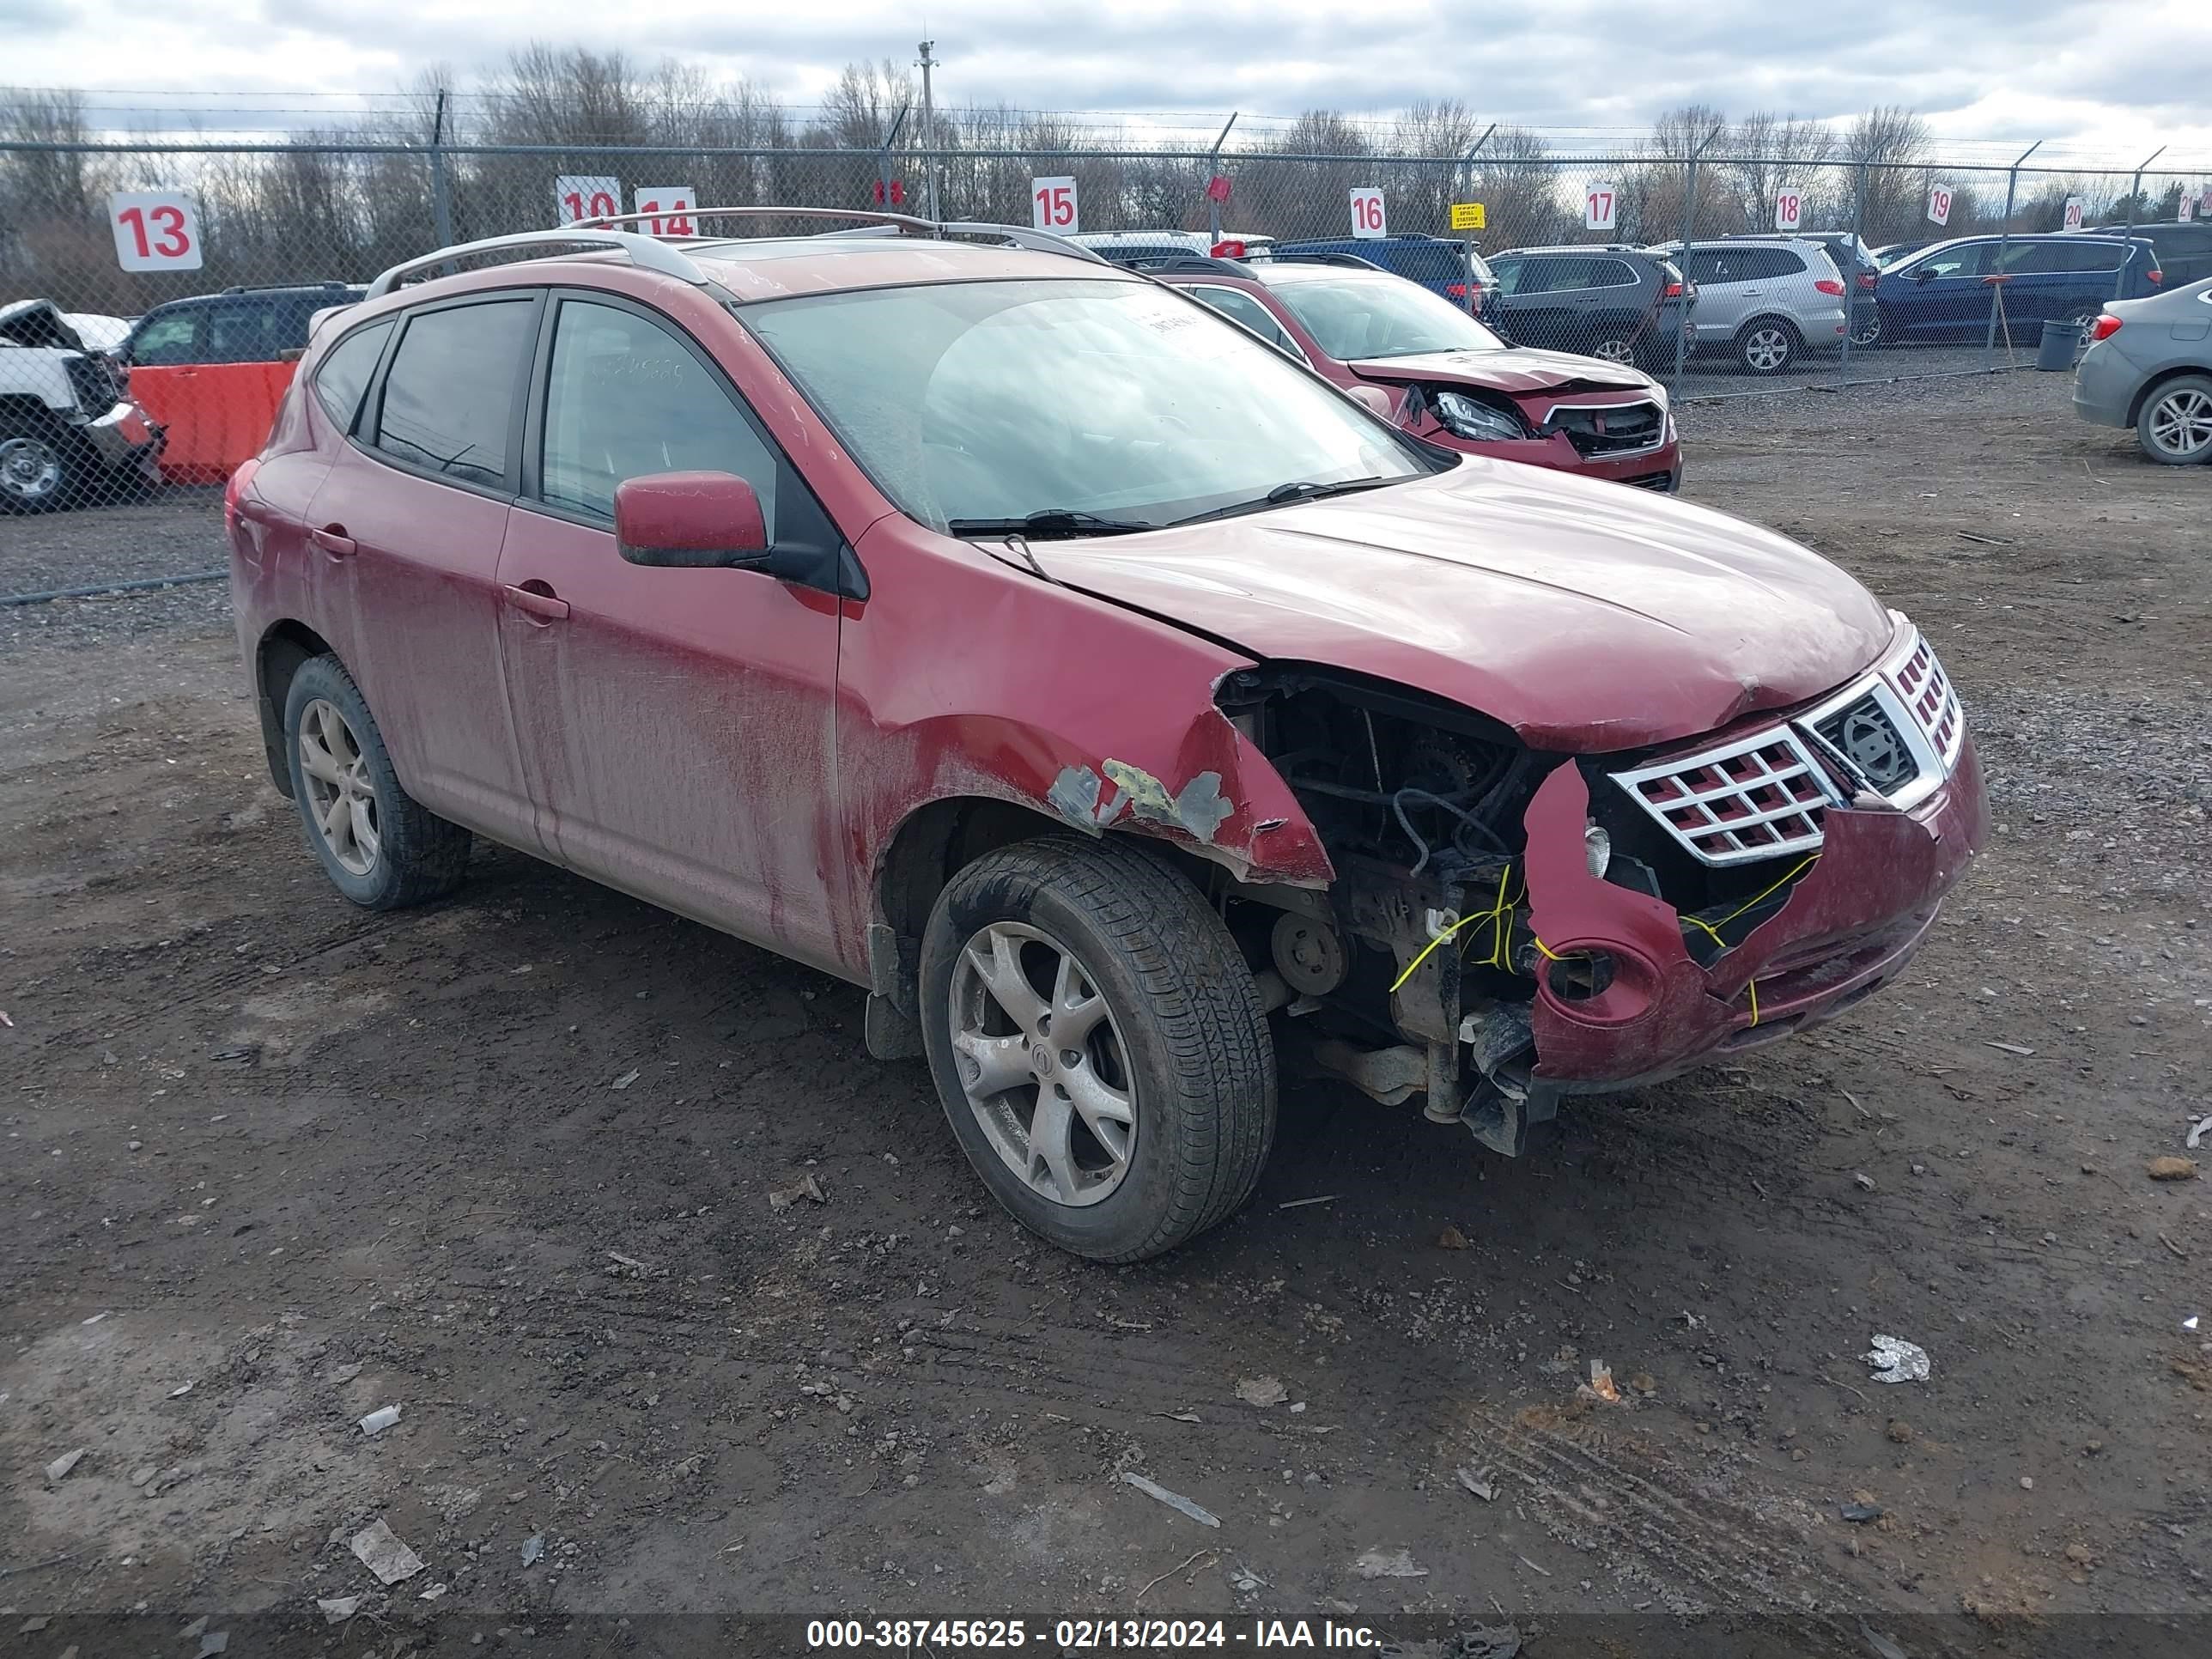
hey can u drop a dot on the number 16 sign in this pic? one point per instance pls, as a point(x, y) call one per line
point(154, 230)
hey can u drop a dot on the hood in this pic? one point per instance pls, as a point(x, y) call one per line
point(1515, 371)
point(98, 332)
point(37, 323)
point(1589, 616)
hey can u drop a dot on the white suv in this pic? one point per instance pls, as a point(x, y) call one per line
point(67, 423)
point(1766, 300)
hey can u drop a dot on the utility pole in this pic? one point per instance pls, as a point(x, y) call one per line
point(1213, 165)
point(2004, 241)
point(928, 129)
point(1466, 248)
point(2128, 236)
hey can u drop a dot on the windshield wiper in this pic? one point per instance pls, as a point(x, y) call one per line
point(1300, 490)
point(1051, 521)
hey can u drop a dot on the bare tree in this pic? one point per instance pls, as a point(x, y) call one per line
point(1770, 152)
point(1892, 145)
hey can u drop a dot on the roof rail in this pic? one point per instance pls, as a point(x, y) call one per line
point(649, 252)
point(1177, 264)
point(1351, 261)
point(1042, 241)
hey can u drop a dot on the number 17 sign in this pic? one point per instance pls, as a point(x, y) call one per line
point(1600, 207)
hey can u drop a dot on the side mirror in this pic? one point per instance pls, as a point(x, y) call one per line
point(1925, 274)
point(690, 521)
point(1378, 402)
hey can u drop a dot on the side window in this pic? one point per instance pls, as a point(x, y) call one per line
point(1242, 308)
point(1561, 275)
point(1706, 264)
point(239, 333)
point(624, 397)
point(342, 375)
point(174, 338)
point(2088, 256)
point(1508, 273)
point(449, 400)
point(1611, 273)
point(1965, 260)
point(1770, 263)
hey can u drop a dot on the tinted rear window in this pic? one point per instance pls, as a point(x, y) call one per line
point(344, 371)
point(449, 398)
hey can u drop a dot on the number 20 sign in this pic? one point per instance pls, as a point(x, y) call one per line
point(154, 230)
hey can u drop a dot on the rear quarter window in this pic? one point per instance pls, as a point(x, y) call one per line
point(342, 375)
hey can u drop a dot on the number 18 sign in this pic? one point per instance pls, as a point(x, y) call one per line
point(154, 230)
point(1789, 209)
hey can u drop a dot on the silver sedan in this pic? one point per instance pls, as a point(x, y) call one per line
point(2149, 366)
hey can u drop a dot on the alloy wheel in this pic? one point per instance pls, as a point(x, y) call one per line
point(1867, 330)
point(341, 799)
point(1765, 350)
point(1042, 1063)
point(2181, 423)
point(1614, 351)
point(30, 469)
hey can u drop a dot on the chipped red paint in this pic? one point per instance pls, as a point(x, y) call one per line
point(1848, 924)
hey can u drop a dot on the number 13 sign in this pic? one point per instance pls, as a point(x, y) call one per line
point(154, 230)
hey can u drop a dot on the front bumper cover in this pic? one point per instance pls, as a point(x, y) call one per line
point(124, 436)
point(1848, 925)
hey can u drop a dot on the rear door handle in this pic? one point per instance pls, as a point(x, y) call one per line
point(547, 605)
point(333, 540)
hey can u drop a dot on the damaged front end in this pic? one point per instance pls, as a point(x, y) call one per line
point(1509, 925)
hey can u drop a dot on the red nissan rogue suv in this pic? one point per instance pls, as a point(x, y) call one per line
point(1010, 635)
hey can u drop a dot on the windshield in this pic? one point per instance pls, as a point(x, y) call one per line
point(975, 403)
point(1358, 317)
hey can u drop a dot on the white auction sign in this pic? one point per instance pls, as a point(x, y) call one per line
point(1600, 207)
point(671, 204)
point(1053, 206)
point(154, 230)
point(1368, 221)
point(576, 197)
point(2187, 208)
point(1939, 205)
point(1788, 209)
point(2073, 219)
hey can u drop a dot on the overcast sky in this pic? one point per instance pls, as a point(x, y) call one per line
point(2122, 78)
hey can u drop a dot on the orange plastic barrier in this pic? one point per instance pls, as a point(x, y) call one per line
point(217, 414)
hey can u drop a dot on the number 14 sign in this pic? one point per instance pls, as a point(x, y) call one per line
point(154, 230)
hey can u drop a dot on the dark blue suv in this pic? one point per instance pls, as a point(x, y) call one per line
point(1437, 262)
point(1947, 291)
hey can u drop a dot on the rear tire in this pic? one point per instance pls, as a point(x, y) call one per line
point(1144, 1115)
point(1767, 345)
point(1616, 341)
point(379, 847)
point(2175, 428)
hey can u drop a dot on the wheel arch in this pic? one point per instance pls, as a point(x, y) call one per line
point(285, 646)
point(2164, 377)
point(1780, 318)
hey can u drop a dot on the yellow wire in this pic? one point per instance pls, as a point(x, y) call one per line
point(1754, 1001)
point(1431, 945)
point(1714, 927)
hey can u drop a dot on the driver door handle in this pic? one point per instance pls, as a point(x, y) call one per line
point(546, 604)
point(333, 540)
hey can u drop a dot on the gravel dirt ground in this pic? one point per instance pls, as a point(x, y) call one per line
point(506, 1163)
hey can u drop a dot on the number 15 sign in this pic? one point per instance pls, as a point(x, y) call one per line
point(154, 230)
point(1051, 205)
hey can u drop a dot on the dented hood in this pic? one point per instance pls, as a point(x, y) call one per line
point(1518, 371)
point(1588, 616)
point(37, 323)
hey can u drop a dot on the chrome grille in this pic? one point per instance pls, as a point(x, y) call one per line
point(1753, 798)
point(1763, 795)
point(1608, 430)
point(1928, 698)
point(1661, 481)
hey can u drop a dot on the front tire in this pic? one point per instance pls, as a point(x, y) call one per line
point(378, 846)
point(43, 465)
point(1099, 1045)
point(2175, 428)
point(1767, 345)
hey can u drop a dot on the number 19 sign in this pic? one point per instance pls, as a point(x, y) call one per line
point(1600, 207)
point(1051, 205)
point(154, 230)
point(1367, 219)
point(1938, 204)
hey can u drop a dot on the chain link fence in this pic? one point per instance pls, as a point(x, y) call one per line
point(152, 299)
